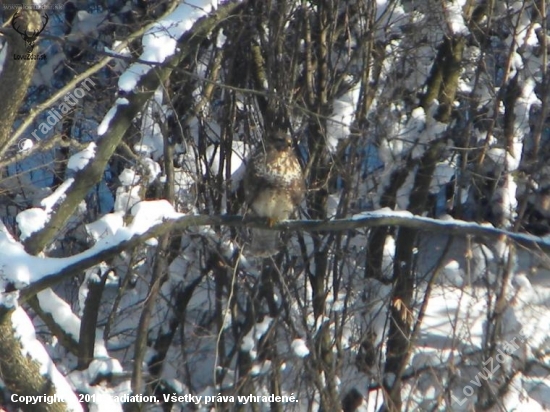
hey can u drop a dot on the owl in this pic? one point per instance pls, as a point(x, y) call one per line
point(274, 187)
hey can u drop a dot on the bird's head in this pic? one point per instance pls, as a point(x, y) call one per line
point(281, 141)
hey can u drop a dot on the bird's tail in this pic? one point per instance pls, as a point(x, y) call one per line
point(263, 242)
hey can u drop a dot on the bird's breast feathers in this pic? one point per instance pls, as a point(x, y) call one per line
point(273, 203)
point(274, 184)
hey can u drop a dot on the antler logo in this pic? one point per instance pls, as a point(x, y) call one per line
point(30, 39)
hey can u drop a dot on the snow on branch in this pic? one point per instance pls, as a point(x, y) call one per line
point(117, 121)
point(55, 269)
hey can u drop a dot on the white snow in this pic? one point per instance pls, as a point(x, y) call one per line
point(522, 282)
point(31, 347)
point(452, 274)
point(104, 396)
point(127, 198)
point(255, 334)
point(60, 311)
point(31, 220)
point(409, 134)
point(80, 160)
point(240, 151)
point(152, 140)
point(128, 177)
point(130, 78)
point(390, 16)
point(153, 169)
point(300, 348)
point(106, 225)
point(247, 344)
point(388, 257)
point(454, 330)
point(453, 11)
point(120, 64)
point(49, 202)
point(104, 125)
point(443, 173)
point(384, 212)
point(262, 327)
point(343, 114)
point(103, 367)
point(261, 369)
point(24, 268)
point(149, 213)
point(160, 41)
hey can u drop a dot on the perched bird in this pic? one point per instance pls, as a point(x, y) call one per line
point(274, 187)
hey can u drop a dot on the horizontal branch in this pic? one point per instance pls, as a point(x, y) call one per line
point(103, 251)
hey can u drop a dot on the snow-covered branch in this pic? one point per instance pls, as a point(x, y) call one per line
point(126, 239)
point(115, 124)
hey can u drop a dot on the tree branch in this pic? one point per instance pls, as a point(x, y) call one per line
point(86, 178)
point(101, 252)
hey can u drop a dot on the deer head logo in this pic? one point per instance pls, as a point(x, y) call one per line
point(30, 39)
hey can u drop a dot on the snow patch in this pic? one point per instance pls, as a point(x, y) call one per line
point(104, 125)
point(160, 41)
point(60, 311)
point(455, 19)
point(31, 347)
point(149, 213)
point(81, 159)
point(107, 225)
point(128, 177)
point(31, 220)
point(300, 348)
point(49, 202)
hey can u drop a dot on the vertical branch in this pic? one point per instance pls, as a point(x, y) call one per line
point(16, 75)
point(318, 98)
point(442, 84)
point(88, 324)
point(158, 276)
